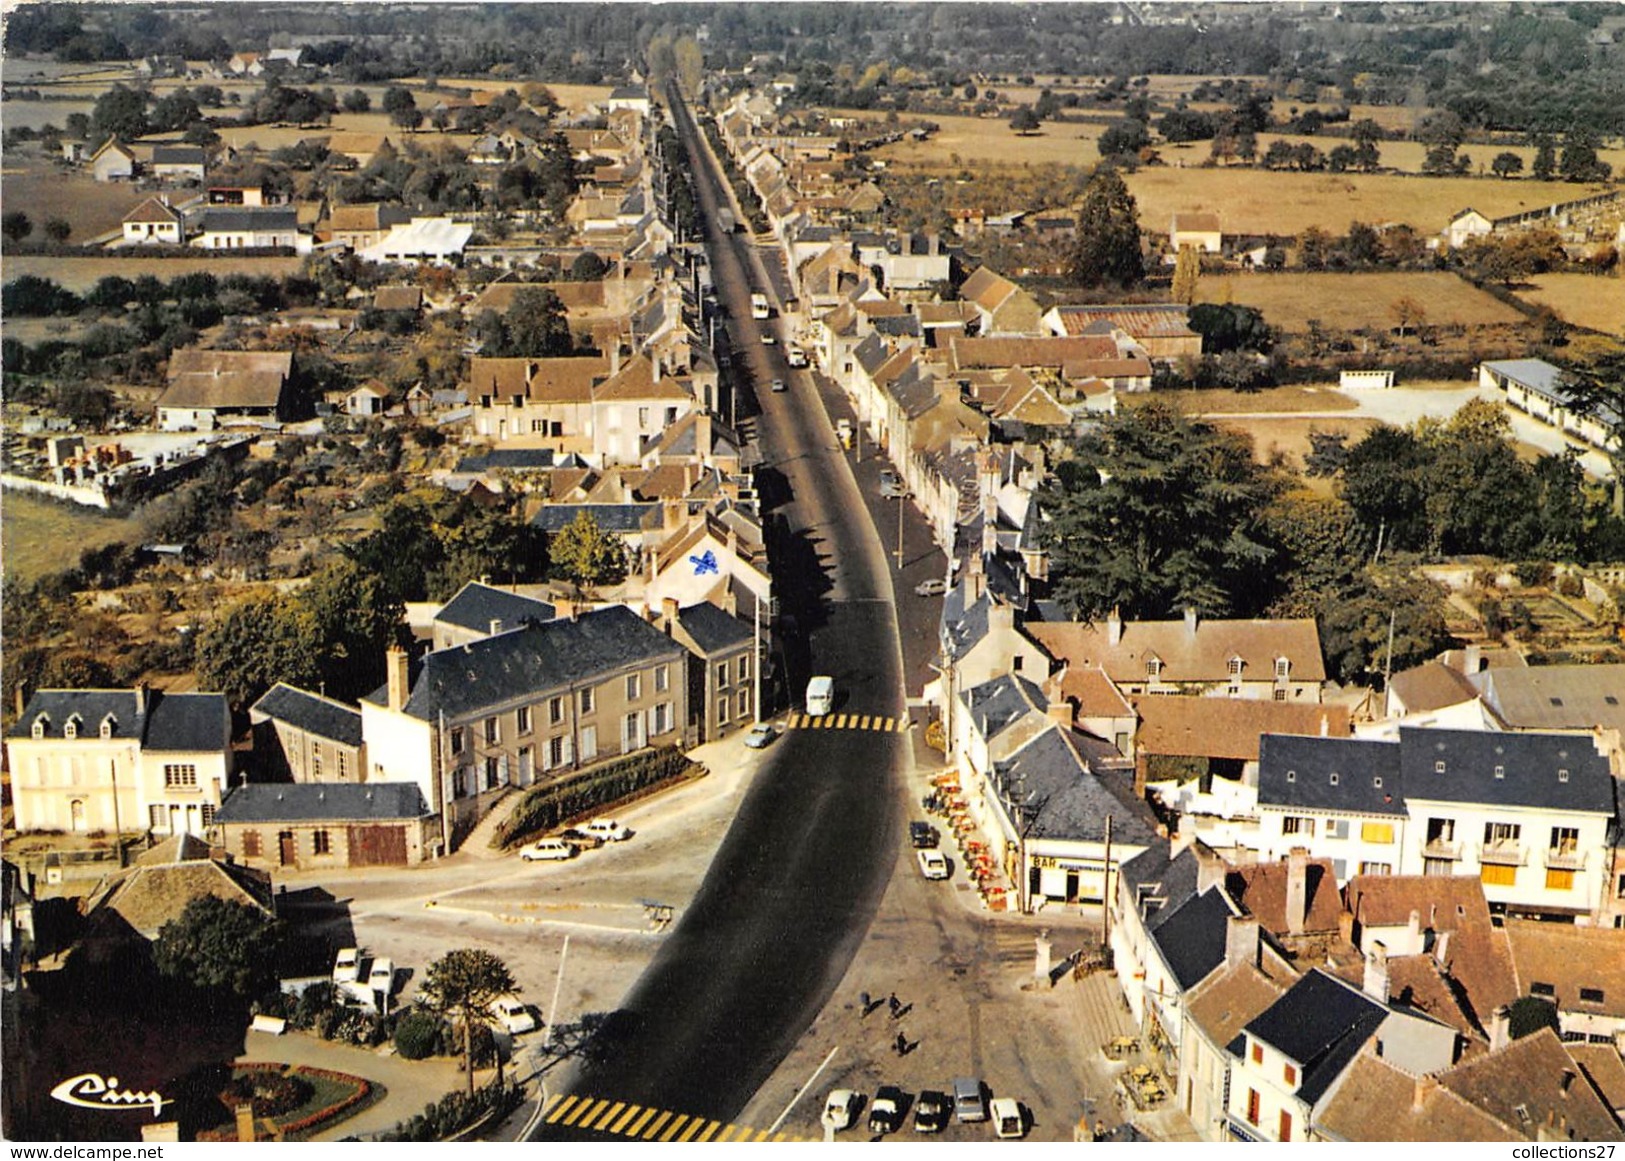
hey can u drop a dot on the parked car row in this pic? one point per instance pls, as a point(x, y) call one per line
point(568, 843)
point(965, 1101)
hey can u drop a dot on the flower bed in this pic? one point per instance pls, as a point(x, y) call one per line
point(333, 1095)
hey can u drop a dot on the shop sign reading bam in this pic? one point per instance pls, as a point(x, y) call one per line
point(90, 1090)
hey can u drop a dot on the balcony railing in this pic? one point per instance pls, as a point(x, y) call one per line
point(1560, 859)
point(1442, 849)
point(1502, 854)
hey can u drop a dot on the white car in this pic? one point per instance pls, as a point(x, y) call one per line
point(347, 966)
point(761, 736)
point(933, 863)
point(548, 849)
point(1007, 1119)
point(513, 1016)
point(608, 829)
point(382, 976)
point(840, 1108)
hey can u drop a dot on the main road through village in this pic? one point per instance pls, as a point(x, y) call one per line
point(793, 888)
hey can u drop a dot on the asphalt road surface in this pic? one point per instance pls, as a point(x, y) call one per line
point(796, 883)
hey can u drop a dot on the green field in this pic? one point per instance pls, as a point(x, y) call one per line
point(38, 535)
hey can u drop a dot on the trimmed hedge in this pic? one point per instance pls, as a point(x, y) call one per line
point(549, 806)
point(455, 1112)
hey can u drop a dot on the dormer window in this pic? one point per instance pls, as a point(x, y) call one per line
point(41, 724)
point(1234, 666)
point(1282, 668)
point(1500, 771)
point(1376, 783)
point(1291, 775)
point(109, 724)
point(70, 728)
point(1336, 778)
point(1153, 668)
point(1438, 767)
point(1562, 775)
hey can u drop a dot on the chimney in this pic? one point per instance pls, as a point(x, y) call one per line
point(1240, 941)
point(1114, 628)
point(702, 434)
point(615, 359)
point(397, 665)
point(1423, 1088)
point(978, 584)
point(140, 698)
point(1001, 616)
point(496, 625)
point(1210, 868)
point(1297, 890)
point(21, 702)
point(654, 363)
point(1565, 1082)
point(1345, 926)
point(1500, 1028)
point(1060, 712)
point(1142, 771)
point(1414, 928)
point(933, 243)
point(1190, 620)
point(1325, 725)
point(564, 607)
point(1376, 972)
point(668, 614)
point(1473, 661)
point(1441, 947)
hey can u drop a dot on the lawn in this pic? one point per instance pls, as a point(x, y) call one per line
point(1290, 437)
point(981, 142)
point(1274, 399)
point(1256, 201)
point(40, 536)
point(80, 274)
point(1352, 301)
point(1582, 299)
point(44, 191)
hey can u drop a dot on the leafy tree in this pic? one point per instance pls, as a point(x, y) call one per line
point(462, 985)
point(218, 944)
point(355, 621)
point(1363, 244)
point(357, 101)
point(1354, 624)
point(1231, 327)
point(588, 267)
point(1314, 247)
point(258, 642)
point(175, 111)
point(1155, 512)
point(15, 225)
point(1186, 125)
point(1441, 159)
point(1598, 391)
point(1106, 247)
point(1407, 312)
point(587, 555)
point(1025, 121)
point(1506, 164)
point(402, 551)
point(1478, 491)
point(536, 325)
point(1124, 138)
point(120, 112)
point(1383, 480)
point(58, 229)
point(1579, 161)
point(1187, 273)
point(1545, 163)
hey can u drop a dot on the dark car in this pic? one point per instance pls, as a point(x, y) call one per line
point(931, 1111)
point(923, 835)
point(886, 1110)
point(587, 842)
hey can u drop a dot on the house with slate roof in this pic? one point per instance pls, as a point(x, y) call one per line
point(141, 898)
point(721, 667)
point(316, 826)
point(179, 162)
point(479, 611)
point(1290, 1056)
point(119, 760)
point(1340, 798)
point(1216, 1010)
point(524, 707)
point(252, 228)
point(1039, 793)
point(301, 736)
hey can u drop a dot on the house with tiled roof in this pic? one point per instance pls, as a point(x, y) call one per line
point(479, 610)
point(1536, 1088)
point(1003, 308)
point(1215, 1011)
point(1162, 330)
point(1578, 970)
point(716, 556)
point(301, 736)
point(157, 887)
point(1198, 229)
point(1375, 1100)
point(207, 389)
point(1278, 660)
point(315, 826)
point(154, 222)
point(114, 161)
point(640, 399)
point(524, 707)
point(544, 403)
point(116, 760)
point(362, 225)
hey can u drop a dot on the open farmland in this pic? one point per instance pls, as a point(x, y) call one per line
point(984, 142)
point(1585, 300)
point(91, 207)
point(1276, 399)
point(80, 274)
point(40, 536)
point(1256, 201)
point(1407, 157)
point(1352, 301)
point(37, 115)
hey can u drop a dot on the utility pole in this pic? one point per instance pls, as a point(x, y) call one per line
point(900, 500)
point(1106, 889)
point(756, 662)
point(1388, 670)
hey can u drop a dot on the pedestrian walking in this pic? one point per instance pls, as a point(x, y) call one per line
point(863, 1002)
point(900, 1046)
point(896, 1005)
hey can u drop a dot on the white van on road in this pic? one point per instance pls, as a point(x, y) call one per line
point(820, 696)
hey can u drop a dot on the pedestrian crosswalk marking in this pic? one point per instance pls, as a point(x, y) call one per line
point(633, 1122)
point(875, 723)
point(655, 1128)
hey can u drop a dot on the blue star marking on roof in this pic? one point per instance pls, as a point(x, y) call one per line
point(706, 564)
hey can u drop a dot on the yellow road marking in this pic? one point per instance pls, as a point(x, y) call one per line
point(675, 1125)
point(710, 1131)
point(607, 1117)
point(864, 723)
point(641, 1121)
point(761, 1135)
point(780, 1137)
point(575, 1115)
point(553, 1103)
point(655, 1128)
point(625, 1117)
point(727, 1133)
point(560, 1109)
point(697, 1124)
point(841, 725)
point(902, 725)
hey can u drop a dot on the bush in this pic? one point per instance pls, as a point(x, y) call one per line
point(417, 1035)
point(545, 807)
point(456, 1111)
point(272, 1094)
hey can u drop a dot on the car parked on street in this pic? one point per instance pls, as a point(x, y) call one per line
point(931, 1111)
point(931, 588)
point(886, 1110)
point(840, 1108)
point(514, 1016)
point(381, 977)
point(923, 835)
point(1007, 1119)
point(969, 1103)
point(548, 849)
point(761, 736)
point(891, 484)
point(933, 864)
point(609, 829)
point(778, 386)
point(582, 839)
point(347, 966)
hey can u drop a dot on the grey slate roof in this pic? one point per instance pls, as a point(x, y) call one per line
point(1321, 1023)
point(475, 606)
point(1554, 697)
point(1159, 882)
point(1000, 702)
point(178, 155)
point(514, 459)
point(1343, 774)
point(610, 517)
point(323, 802)
point(712, 629)
point(511, 667)
point(1192, 937)
point(310, 712)
point(1072, 802)
point(172, 722)
point(1554, 771)
point(235, 220)
point(962, 626)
